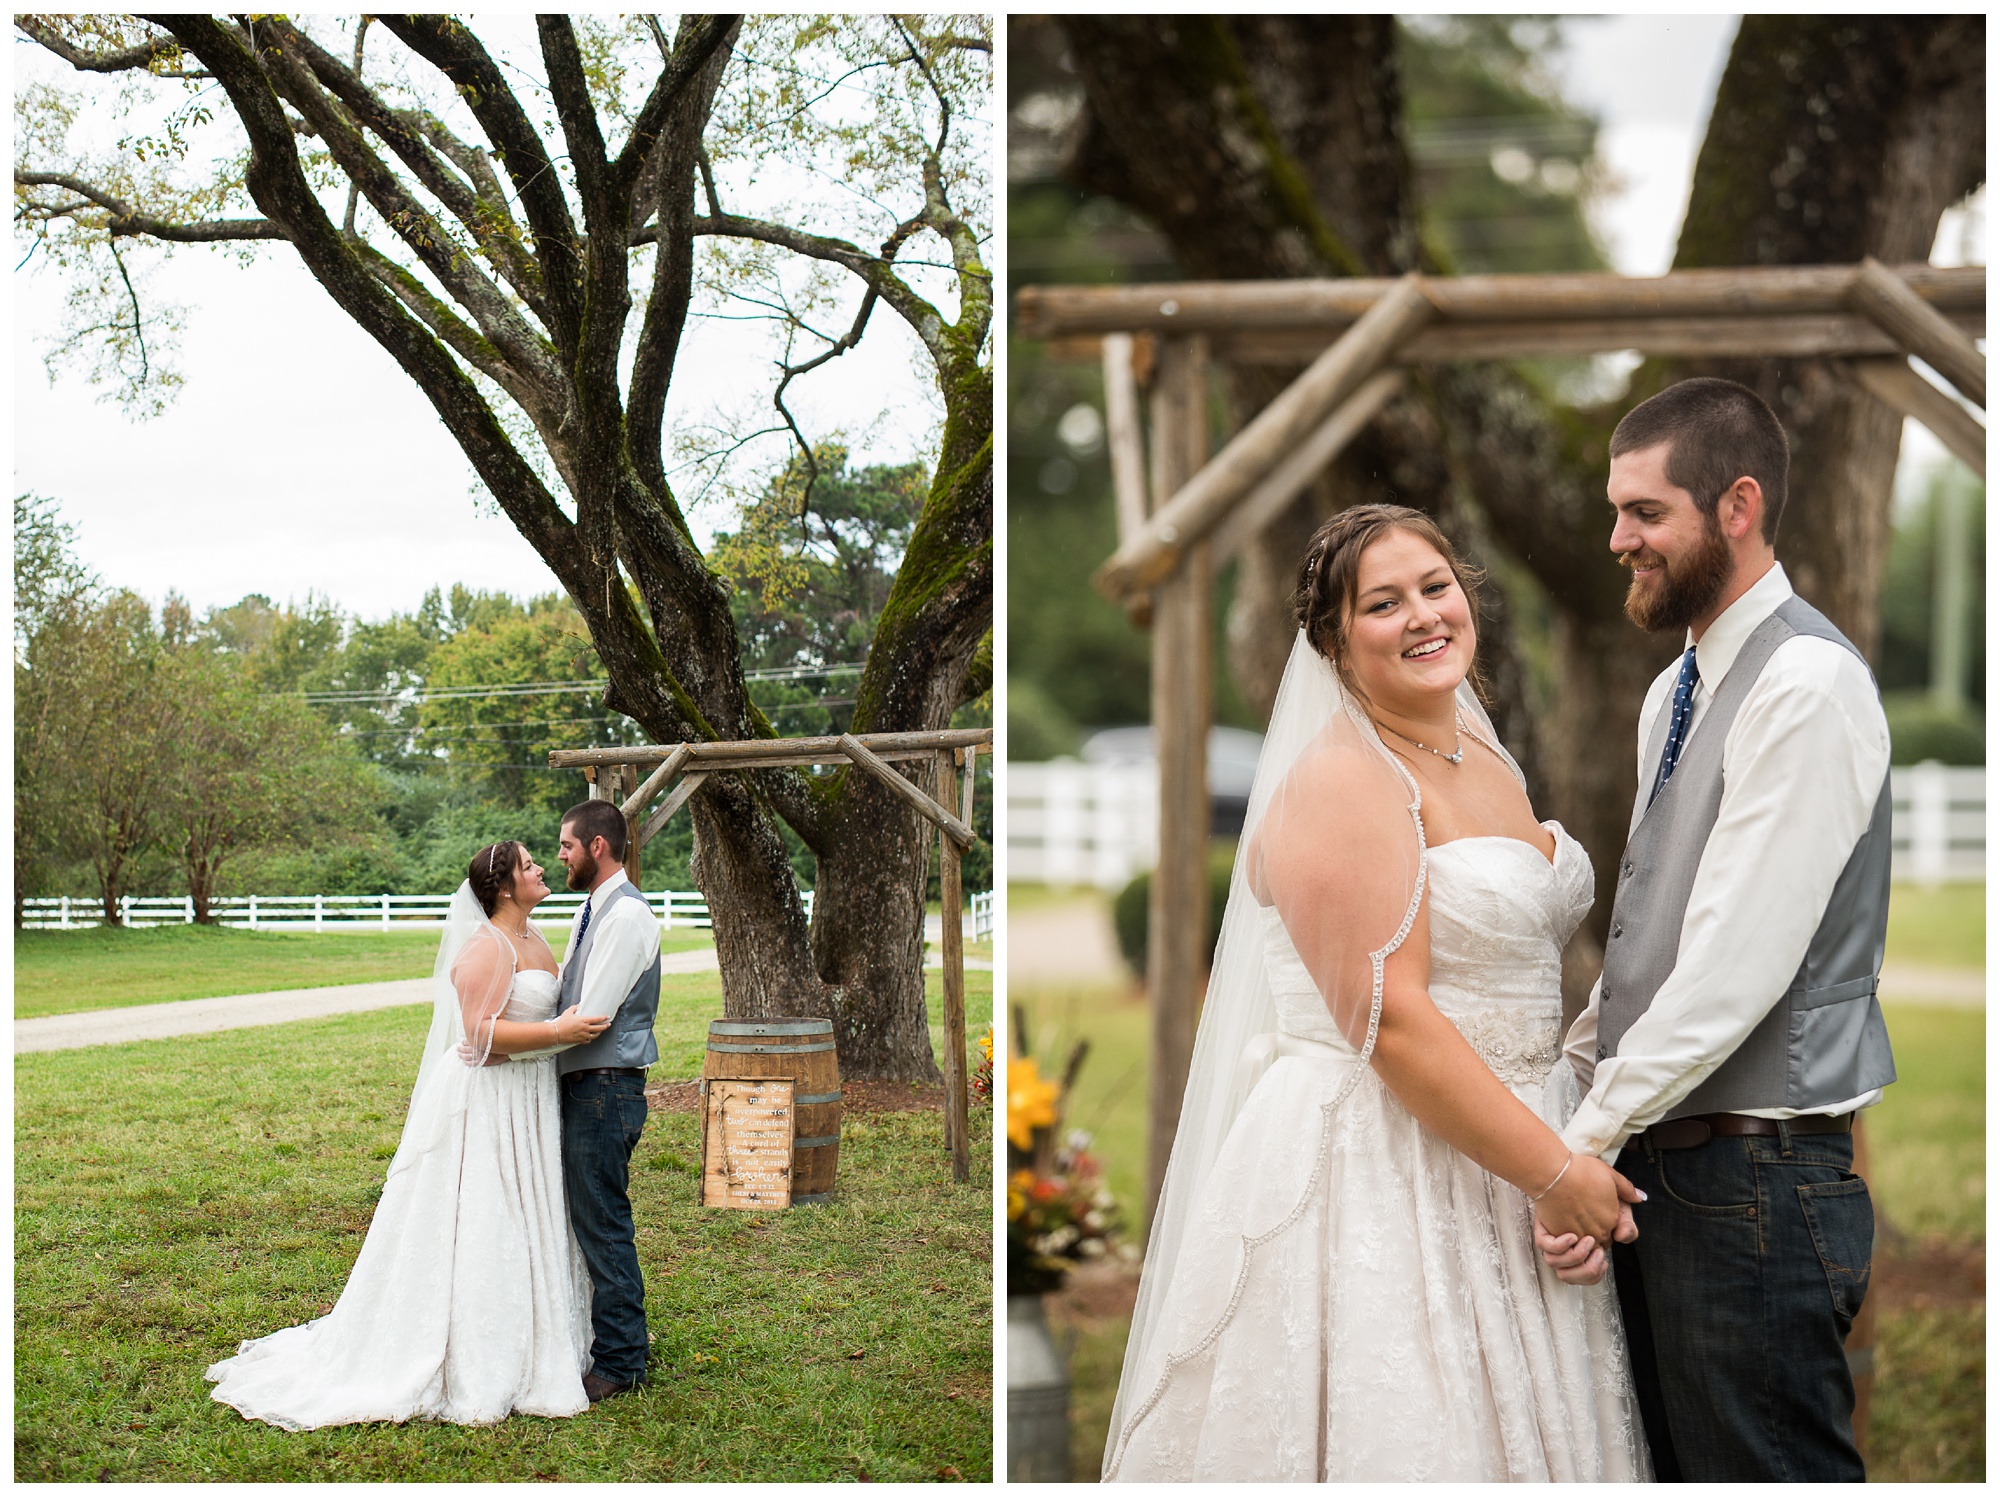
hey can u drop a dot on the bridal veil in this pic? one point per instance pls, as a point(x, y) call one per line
point(1333, 839)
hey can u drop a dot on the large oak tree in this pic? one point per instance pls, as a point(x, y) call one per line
point(521, 233)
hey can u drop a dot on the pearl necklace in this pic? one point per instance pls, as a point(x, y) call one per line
point(1458, 723)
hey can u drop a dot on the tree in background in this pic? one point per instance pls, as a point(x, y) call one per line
point(516, 266)
point(1281, 146)
point(248, 769)
point(51, 588)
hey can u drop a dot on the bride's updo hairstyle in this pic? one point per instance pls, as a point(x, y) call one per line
point(492, 870)
point(1324, 603)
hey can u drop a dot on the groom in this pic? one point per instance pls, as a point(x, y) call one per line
point(612, 968)
point(1735, 1032)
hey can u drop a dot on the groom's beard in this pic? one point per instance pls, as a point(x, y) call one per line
point(1686, 589)
point(581, 872)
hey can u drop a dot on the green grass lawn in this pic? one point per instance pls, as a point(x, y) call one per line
point(173, 1198)
point(1941, 927)
point(1928, 1173)
point(74, 971)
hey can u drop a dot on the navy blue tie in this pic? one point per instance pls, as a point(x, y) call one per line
point(586, 920)
point(1677, 726)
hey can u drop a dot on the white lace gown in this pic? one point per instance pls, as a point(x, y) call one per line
point(469, 1301)
point(1355, 1299)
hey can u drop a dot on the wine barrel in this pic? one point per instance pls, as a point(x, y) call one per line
point(800, 1051)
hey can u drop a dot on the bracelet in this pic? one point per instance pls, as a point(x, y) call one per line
point(1558, 1179)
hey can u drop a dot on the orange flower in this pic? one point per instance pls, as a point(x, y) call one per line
point(1031, 1102)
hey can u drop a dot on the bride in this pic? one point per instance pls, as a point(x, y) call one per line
point(1341, 1282)
point(469, 1300)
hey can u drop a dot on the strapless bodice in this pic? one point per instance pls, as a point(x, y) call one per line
point(533, 996)
point(1500, 915)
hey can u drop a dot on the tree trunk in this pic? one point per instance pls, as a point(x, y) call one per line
point(1834, 137)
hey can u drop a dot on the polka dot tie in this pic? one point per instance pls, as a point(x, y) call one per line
point(1677, 728)
point(584, 925)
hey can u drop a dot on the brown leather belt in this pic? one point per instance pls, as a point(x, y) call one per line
point(608, 1071)
point(1691, 1133)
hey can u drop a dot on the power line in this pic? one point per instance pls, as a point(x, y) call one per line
point(419, 695)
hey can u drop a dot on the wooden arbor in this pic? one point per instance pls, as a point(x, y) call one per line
point(680, 768)
point(1182, 513)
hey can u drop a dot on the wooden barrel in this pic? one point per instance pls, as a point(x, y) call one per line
point(800, 1051)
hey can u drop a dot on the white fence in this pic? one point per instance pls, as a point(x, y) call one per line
point(678, 909)
point(1940, 828)
point(1073, 823)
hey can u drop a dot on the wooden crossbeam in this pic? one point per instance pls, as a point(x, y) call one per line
point(858, 753)
point(1816, 335)
point(1201, 504)
point(658, 780)
point(1267, 501)
point(671, 804)
point(1245, 306)
point(1908, 393)
point(1918, 327)
point(737, 753)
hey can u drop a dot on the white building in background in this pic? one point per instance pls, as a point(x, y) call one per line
point(1095, 820)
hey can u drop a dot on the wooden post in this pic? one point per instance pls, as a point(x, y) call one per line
point(1123, 438)
point(958, 1126)
point(1177, 913)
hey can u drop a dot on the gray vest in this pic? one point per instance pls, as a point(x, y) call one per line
point(1824, 1040)
point(629, 1040)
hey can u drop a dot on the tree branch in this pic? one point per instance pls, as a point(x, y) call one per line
point(492, 232)
point(125, 219)
point(497, 318)
point(677, 154)
point(922, 317)
point(448, 46)
point(700, 38)
point(142, 56)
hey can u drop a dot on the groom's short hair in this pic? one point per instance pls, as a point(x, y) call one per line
point(1716, 432)
point(598, 818)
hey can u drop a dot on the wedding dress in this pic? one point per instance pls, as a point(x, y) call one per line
point(469, 1300)
point(1331, 1291)
point(1357, 1299)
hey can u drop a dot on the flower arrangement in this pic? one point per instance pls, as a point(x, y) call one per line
point(982, 1079)
point(1059, 1212)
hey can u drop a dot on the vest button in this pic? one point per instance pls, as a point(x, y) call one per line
point(1602, 1053)
point(1617, 931)
point(1625, 871)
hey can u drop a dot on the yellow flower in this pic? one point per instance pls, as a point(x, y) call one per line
point(1017, 1193)
point(986, 1044)
point(1031, 1102)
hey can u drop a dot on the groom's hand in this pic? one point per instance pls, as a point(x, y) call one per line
point(1580, 1259)
point(1575, 1260)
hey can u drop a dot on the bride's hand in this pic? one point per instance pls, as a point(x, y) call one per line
point(1586, 1200)
point(573, 1028)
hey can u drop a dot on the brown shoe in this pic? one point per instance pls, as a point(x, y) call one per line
point(597, 1389)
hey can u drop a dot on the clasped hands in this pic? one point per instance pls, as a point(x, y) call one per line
point(1588, 1207)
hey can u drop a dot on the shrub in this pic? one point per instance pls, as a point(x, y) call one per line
point(1128, 912)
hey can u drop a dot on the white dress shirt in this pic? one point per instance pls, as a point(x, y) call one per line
point(1802, 767)
point(624, 942)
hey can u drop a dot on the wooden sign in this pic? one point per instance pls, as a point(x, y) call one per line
point(746, 1162)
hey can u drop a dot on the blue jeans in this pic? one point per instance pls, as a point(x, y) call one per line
point(1751, 1264)
point(602, 1117)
